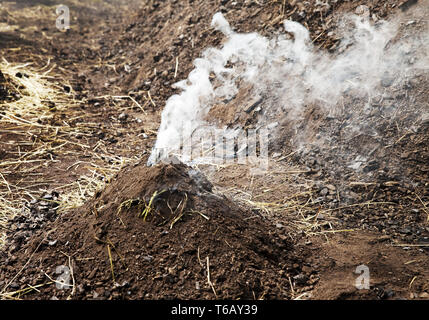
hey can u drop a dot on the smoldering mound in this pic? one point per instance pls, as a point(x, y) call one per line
point(118, 249)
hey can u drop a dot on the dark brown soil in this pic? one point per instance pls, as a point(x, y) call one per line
point(7, 89)
point(115, 49)
point(189, 232)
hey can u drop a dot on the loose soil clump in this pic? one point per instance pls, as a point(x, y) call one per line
point(7, 91)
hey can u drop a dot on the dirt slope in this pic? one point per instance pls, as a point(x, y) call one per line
point(314, 223)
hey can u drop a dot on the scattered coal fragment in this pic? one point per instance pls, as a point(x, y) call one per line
point(407, 4)
point(36, 214)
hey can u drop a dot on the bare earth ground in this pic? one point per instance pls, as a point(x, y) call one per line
point(80, 110)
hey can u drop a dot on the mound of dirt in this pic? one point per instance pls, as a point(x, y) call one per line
point(156, 232)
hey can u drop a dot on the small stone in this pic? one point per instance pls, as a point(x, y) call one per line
point(407, 4)
point(307, 269)
point(405, 231)
point(372, 165)
point(389, 293)
point(14, 285)
point(172, 271)
point(405, 155)
point(148, 258)
point(123, 117)
point(324, 192)
point(300, 279)
point(331, 187)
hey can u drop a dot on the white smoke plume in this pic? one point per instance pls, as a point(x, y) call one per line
point(289, 73)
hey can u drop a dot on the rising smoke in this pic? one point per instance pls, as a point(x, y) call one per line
point(289, 73)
